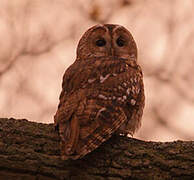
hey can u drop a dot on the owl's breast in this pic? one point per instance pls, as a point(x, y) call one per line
point(114, 81)
point(107, 72)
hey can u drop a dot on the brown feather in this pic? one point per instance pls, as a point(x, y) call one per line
point(102, 92)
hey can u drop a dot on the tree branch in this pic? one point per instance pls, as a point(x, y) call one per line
point(30, 150)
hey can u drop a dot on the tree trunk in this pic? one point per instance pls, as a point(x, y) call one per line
point(30, 150)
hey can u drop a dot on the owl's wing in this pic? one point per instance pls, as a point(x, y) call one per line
point(72, 80)
point(84, 124)
point(102, 121)
point(134, 107)
point(68, 123)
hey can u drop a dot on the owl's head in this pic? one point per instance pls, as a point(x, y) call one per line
point(108, 40)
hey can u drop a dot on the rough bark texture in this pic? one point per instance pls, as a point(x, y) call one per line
point(30, 150)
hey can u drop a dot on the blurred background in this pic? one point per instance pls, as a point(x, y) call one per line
point(38, 42)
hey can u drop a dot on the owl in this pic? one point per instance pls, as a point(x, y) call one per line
point(102, 91)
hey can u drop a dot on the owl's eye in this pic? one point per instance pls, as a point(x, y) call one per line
point(120, 42)
point(100, 42)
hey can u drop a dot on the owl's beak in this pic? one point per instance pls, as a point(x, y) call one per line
point(111, 51)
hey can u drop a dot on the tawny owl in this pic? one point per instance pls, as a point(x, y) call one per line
point(102, 91)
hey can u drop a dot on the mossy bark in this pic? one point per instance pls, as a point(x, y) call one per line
point(30, 150)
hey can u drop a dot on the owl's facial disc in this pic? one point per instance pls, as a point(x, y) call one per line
point(107, 40)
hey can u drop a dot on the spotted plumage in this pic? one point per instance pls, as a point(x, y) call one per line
point(102, 91)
